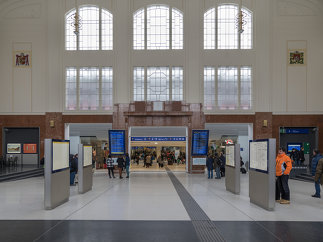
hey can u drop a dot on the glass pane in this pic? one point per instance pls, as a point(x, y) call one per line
point(246, 36)
point(209, 29)
point(227, 31)
point(246, 88)
point(177, 83)
point(157, 84)
point(107, 30)
point(107, 88)
point(158, 27)
point(89, 33)
point(89, 88)
point(209, 88)
point(70, 37)
point(71, 89)
point(139, 30)
point(228, 88)
point(139, 84)
point(177, 29)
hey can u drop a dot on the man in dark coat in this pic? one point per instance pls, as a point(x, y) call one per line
point(209, 166)
point(121, 164)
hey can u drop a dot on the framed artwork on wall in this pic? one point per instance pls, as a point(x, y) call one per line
point(13, 148)
point(30, 148)
point(296, 57)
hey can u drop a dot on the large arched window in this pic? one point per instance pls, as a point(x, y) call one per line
point(220, 28)
point(162, 28)
point(94, 34)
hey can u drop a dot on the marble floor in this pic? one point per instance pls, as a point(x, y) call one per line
point(148, 208)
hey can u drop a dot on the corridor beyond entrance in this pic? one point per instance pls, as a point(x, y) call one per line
point(155, 148)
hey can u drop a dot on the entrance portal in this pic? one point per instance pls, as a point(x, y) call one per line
point(155, 148)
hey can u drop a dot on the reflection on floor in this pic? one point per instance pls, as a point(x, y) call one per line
point(147, 207)
point(155, 167)
point(15, 169)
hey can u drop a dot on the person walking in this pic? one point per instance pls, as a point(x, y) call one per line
point(127, 164)
point(209, 166)
point(120, 162)
point(319, 172)
point(316, 157)
point(301, 156)
point(283, 168)
point(110, 167)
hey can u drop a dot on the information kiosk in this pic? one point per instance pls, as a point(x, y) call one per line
point(117, 144)
point(85, 177)
point(262, 154)
point(57, 173)
point(232, 168)
point(200, 140)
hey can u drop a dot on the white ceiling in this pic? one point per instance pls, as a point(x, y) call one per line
point(217, 130)
point(91, 129)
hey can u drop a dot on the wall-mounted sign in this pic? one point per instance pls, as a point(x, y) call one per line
point(294, 130)
point(117, 145)
point(13, 148)
point(199, 161)
point(30, 148)
point(200, 141)
point(158, 138)
point(22, 58)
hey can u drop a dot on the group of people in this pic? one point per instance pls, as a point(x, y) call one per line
point(283, 168)
point(123, 162)
point(297, 156)
point(215, 162)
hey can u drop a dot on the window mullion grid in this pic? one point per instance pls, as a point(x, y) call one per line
point(170, 28)
point(216, 87)
point(77, 88)
point(216, 28)
point(100, 89)
point(145, 83)
point(239, 87)
point(77, 36)
point(100, 28)
point(145, 29)
point(170, 83)
point(239, 34)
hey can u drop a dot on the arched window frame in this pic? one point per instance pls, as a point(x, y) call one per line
point(76, 44)
point(214, 36)
point(142, 34)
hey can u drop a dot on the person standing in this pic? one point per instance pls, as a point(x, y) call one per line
point(217, 164)
point(127, 163)
point(283, 168)
point(209, 166)
point(120, 162)
point(319, 172)
point(222, 166)
point(301, 156)
point(110, 167)
point(316, 157)
point(295, 157)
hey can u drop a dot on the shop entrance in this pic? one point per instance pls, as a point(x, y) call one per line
point(155, 148)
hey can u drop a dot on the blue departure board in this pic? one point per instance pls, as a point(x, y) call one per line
point(200, 140)
point(117, 143)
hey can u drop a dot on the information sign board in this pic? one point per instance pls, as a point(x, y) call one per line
point(258, 155)
point(200, 140)
point(117, 144)
point(229, 155)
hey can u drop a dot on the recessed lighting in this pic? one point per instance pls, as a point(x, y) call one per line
point(156, 143)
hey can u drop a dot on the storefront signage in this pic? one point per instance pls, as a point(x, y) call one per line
point(158, 138)
point(294, 131)
point(117, 144)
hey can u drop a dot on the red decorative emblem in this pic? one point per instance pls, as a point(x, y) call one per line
point(22, 60)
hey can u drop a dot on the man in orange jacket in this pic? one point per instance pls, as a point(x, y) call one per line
point(283, 168)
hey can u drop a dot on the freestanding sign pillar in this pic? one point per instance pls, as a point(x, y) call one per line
point(57, 183)
point(232, 168)
point(262, 173)
point(85, 175)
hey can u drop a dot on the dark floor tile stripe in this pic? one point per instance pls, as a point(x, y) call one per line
point(204, 227)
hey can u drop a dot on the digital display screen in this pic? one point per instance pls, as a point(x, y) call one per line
point(200, 140)
point(291, 146)
point(117, 143)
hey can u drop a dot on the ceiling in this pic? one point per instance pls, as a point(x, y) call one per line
point(91, 129)
point(217, 130)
